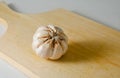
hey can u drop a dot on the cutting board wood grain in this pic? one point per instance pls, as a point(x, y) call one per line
point(94, 49)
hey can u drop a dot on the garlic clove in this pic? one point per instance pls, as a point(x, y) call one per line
point(40, 35)
point(57, 52)
point(37, 43)
point(64, 46)
point(44, 50)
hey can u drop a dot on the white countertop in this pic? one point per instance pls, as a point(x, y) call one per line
point(103, 11)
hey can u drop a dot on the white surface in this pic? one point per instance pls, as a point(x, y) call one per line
point(2, 29)
point(104, 11)
point(7, 71)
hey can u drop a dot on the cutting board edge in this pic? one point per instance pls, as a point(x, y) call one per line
point(18, 66)
point(83, 17)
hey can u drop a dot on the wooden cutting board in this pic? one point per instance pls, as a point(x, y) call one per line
point(94, 49)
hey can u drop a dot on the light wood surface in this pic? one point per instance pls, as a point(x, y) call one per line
point(94, 49)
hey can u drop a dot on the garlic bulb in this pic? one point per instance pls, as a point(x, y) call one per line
point(50, 42)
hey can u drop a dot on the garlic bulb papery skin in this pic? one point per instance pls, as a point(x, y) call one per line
point(50, 42)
